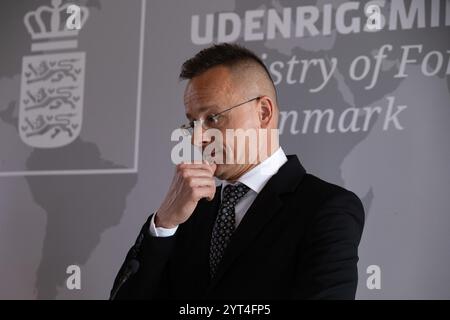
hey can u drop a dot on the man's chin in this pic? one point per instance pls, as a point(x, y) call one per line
point(220, 172)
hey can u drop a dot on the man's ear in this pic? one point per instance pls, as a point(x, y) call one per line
point(266, 111)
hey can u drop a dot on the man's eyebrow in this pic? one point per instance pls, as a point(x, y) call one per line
point(201, 110)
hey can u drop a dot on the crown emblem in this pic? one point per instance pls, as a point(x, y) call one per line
point(49, 22)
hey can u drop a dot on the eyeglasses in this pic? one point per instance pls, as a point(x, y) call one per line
point(212, 120)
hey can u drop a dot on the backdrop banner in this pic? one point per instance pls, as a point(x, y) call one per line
point(89, 98)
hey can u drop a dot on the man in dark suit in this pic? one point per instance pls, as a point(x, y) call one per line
point(269, 230)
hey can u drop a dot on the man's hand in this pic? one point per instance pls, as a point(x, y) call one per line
point(190, 183)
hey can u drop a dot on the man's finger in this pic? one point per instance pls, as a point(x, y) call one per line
point(201, 182)
point(207, 192)
point(205, 166)
point(197, 173)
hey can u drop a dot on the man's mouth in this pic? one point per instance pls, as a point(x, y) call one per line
point(210, 157)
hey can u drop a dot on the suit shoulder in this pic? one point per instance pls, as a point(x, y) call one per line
point(322, 192)
point(320, 186)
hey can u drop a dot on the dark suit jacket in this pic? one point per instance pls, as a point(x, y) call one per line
point(299, 240)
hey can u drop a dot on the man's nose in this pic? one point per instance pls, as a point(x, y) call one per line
point(199, 136)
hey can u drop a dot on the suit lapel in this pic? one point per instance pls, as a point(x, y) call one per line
point(264, 207)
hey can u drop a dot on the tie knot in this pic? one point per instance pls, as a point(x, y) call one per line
point(233, 193)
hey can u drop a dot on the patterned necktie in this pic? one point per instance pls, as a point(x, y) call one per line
point(224, 225)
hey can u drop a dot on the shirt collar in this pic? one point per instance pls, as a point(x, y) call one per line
point(257, 177)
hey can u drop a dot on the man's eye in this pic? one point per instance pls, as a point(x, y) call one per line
point(211, 119)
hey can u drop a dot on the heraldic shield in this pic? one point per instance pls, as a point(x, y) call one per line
point(51, 99)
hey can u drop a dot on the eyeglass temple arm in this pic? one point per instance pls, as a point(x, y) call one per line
point(238, 105)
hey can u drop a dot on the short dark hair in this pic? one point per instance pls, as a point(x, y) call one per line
point(226, 54)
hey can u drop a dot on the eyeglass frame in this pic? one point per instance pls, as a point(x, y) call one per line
point(191, 125)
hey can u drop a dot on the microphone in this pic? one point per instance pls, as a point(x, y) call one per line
point(131, 268)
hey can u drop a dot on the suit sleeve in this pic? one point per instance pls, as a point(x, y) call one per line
point(151, 279)
point(328, 266)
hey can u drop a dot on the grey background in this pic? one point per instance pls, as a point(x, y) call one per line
point(50, 222)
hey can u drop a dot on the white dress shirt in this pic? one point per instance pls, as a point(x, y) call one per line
point(255, 179)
